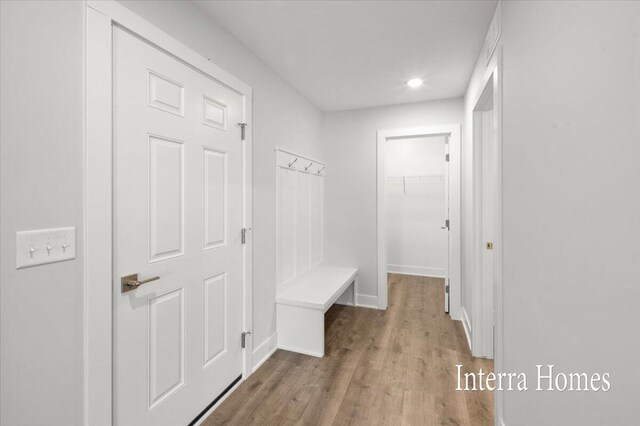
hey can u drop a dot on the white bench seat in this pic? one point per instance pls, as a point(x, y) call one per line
point(318, 288)
point(302, 303)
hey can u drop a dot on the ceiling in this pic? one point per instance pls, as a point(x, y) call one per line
point(357, 54)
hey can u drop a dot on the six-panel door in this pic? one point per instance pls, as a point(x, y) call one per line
point(178, 212)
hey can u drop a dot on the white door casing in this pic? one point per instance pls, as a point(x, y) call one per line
point(104, 20)
point(447, 282)
point(452, 133)
point(486, 198)
point(487, 234)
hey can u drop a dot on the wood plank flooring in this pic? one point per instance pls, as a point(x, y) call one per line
point(393, 367)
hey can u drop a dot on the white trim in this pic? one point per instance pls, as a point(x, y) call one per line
point(300, 351)
point(98, 222)
point(493, 71)
point(366, 301)
point(485, 313)
point(453, 131)
point(467, 327)
point(101, 16)
point(264, 351)
point(498, 309)
point(420, 271)
point(482, 301)
point(247, 220)
point(124, 17)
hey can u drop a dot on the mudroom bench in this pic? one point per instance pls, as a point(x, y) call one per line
point(302, 303)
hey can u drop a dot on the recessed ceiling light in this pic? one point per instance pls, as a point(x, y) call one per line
point(414, 82)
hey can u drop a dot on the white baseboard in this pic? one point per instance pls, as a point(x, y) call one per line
point(264, 351)
point(366, 301)
point(421, 271)
point(467, 327)
point(300, 351)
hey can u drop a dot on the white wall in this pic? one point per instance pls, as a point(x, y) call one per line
point(41, 358)
point(41, 186)
point(571, 128)
point(416, 206)
point(571, 144)
point(281, 117)
point(349, 146)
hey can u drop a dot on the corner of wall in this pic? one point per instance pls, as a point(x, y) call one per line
point(264, 351)
point(366, 301)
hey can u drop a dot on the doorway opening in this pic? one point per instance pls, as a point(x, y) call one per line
point(418, 208)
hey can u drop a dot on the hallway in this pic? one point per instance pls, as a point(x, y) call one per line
point(379, 366)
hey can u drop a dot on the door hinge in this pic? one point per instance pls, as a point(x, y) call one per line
point(446, 224)
point(446, 158)
point(243, 235)
point(243, 339)
point(446, 289)
point(242, 127)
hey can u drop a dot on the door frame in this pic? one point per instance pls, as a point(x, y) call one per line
point(484, 303)
point(492, 75)
point(453, 132)
point(100, 18)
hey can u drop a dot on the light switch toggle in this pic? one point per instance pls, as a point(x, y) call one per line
point(44, 246)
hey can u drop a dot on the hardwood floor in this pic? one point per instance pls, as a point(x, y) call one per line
point(381, 367)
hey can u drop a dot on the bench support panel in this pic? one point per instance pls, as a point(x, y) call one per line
point(301, 330)
point(348, 298)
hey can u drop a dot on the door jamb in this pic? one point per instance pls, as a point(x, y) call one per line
point(482, 338)
point(453, 131)
point(493, 71)
point(100, 18)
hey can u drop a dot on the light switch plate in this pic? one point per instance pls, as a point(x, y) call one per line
point(44, 246)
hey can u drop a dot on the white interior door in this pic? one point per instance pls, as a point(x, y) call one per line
point(177, 214)
point(488, 185)
point(446, 225)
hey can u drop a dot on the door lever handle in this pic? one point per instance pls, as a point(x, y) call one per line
point(131, 282)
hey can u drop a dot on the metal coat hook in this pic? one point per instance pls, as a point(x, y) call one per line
point(307, 168)
point(293, 162)
point(320, 171)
